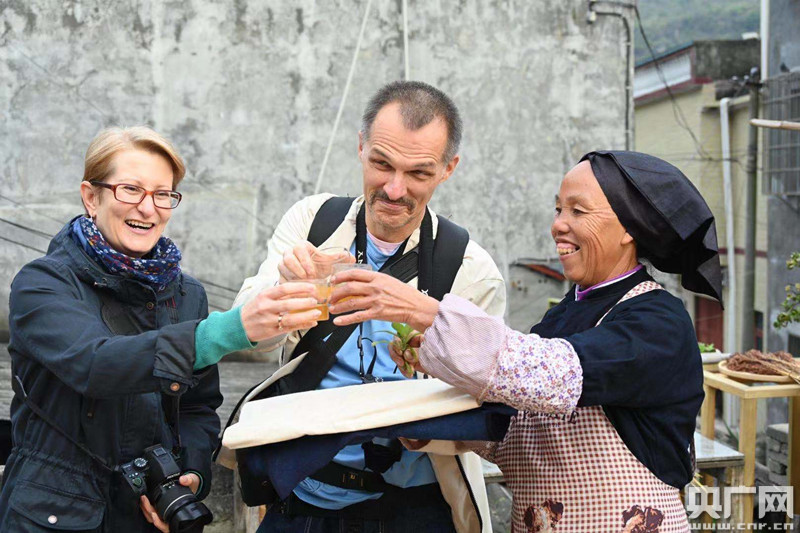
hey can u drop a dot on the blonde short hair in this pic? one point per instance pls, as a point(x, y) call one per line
point(109, 142)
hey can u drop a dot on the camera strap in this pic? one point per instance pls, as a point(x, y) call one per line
point(19, 390)
point(171, 405)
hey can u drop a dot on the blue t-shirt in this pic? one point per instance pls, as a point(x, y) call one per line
point(413, 468)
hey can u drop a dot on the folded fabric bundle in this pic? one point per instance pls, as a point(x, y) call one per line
point(287, 463)
point(287, 438)
point(344, 409)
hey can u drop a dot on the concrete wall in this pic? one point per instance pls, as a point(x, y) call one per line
point(248, 91)
point(723, 59)
point(784, 41)
point(528, 294)
point(784, 216)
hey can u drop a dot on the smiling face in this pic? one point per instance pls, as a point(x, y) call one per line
point(401, 169)
point(131, 229)
point(592, 244)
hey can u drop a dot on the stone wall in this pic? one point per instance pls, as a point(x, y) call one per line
point(249, 92)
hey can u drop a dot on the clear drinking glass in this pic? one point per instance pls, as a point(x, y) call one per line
point(325, 259)
point(322, 292)
point(350, 266)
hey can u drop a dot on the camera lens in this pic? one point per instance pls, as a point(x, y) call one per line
point(191, 518)
point(178, 506)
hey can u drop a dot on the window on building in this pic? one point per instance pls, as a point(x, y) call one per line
point(758, 334)
point(781, 101)
point(794, 345)
point(708, 321)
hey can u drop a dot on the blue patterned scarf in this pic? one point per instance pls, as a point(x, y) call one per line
point(158, 269)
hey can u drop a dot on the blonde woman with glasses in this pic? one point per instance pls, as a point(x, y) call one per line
point(113, 353)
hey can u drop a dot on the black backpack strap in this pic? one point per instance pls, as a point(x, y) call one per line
point(441, 268)
point(325, 340)
point(448, 255)
point(322, 352)
point(328, 218)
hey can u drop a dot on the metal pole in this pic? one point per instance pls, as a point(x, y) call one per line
point(749, 274)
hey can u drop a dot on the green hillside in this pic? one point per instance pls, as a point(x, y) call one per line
point(671, 23)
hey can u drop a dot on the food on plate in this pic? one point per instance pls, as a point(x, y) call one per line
point(769, 364)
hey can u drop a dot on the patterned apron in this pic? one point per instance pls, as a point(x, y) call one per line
point(574, 474)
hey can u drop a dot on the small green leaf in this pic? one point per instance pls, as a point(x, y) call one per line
point(403, 330)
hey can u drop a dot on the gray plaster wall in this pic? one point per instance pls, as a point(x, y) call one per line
point(528, 294)
point(784, 41)
point(723, 59)
point(783, 216)
point(249, 90)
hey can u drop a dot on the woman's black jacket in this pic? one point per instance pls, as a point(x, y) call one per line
point(98, 353)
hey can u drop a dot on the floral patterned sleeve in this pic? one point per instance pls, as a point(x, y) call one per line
point(479, 354)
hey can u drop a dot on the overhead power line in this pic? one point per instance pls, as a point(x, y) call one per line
point(347, 84)
point(12, 241)
point(20, 226)
point(6, 198)
point(680, 118)
point(50, 236)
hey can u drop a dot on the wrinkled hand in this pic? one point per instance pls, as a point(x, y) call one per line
point(297, 264)
point(376, 296)
point(407, 361)
point(261, 317)
point(187, 480)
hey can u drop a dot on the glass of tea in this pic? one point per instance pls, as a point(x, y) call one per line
point(350, 266)
point(326, 259)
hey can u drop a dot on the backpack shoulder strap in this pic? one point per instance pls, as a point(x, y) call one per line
point(328, 218)
point(448, 255)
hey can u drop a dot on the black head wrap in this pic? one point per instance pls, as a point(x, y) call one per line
point(665, 214)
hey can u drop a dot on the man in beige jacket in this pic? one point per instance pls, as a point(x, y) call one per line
point(408, 146)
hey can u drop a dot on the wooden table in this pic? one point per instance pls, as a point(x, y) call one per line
point(749, 395)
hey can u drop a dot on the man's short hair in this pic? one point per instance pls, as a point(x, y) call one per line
point(420, 104)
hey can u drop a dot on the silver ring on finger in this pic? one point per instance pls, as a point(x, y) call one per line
point(280, 321)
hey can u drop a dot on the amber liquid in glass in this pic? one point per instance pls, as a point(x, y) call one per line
point(323, 294)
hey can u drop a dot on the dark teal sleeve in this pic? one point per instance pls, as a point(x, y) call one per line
point(219, 335)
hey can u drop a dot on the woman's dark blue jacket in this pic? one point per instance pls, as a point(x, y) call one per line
point(98, 352)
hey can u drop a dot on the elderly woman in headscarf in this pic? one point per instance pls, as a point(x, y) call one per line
point(609, 383)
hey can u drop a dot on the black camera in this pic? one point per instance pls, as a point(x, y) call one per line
point(156, 475)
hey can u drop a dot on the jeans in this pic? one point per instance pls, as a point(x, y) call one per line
point(429, 519)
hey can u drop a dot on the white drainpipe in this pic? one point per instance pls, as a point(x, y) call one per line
point(730, 301)
point(730, 405)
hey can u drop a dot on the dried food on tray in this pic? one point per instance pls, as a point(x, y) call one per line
point(767, 364)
